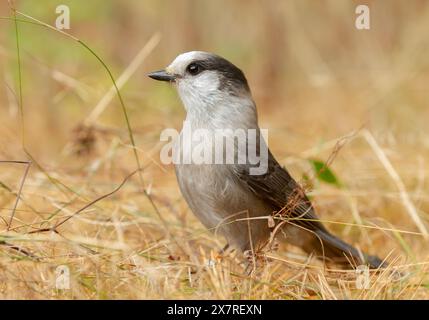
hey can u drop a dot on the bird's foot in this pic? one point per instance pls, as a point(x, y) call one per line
point(253, 261)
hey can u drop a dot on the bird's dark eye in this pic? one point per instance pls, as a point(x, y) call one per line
point(194, 69)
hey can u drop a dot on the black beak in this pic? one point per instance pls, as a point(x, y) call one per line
point(161, 75)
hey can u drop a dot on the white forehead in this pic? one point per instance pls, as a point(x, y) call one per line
point(183, 60)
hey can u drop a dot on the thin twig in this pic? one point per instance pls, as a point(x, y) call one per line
point(18, 249)
point(54, 228)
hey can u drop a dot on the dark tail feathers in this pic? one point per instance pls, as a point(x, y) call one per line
point(338, 251)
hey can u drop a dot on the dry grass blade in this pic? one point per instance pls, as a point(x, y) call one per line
point(21, 185)
point(408, 204)
point(54, 228)
point(123, 78)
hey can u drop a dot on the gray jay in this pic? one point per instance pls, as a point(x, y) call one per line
point(245, 208)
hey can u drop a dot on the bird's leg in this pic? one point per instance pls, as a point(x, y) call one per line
point(225, 251)
point(274, 246)
point(251, 261)
point(221, 252)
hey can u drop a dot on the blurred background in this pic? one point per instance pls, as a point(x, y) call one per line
point(315, 79)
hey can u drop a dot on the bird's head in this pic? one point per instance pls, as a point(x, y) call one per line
point(204, 79)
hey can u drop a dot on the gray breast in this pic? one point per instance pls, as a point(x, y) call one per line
point(218, 200)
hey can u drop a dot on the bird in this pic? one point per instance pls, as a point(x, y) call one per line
point(226, 197)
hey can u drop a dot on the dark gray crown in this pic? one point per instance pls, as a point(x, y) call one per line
point(232, 78)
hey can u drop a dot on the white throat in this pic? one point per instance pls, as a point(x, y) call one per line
point(217, 109)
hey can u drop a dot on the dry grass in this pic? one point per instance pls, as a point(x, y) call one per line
point(315, 78)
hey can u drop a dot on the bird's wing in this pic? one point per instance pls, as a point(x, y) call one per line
point(277, 188)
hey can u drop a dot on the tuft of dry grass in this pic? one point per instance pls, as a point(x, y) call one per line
point(70, 194)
